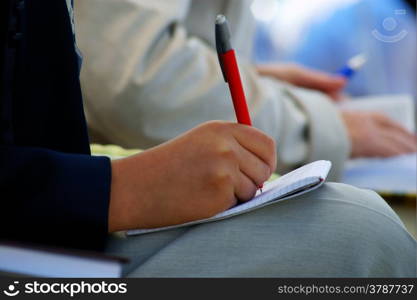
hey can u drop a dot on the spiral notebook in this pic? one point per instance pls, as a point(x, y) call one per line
point(297, 182)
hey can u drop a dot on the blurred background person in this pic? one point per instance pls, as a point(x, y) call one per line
point(325, 34)
point(151, 72)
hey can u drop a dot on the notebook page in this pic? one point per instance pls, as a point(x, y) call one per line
point(296, 181)
point(394, 175)
point(400, 108)
point(305, 176)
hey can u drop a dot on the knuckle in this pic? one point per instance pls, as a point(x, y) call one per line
point(225, 152)
point(221, 179)
point(217, 125)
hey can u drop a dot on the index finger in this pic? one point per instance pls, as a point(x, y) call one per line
point(390, 123)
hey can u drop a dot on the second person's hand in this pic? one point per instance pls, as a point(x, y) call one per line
point(376, 135)
point(298, 75)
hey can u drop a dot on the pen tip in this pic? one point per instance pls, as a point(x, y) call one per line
point(358, 61)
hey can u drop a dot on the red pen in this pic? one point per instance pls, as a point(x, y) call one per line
point(230, 69)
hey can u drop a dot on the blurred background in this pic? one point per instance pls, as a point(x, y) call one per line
point(325, 34)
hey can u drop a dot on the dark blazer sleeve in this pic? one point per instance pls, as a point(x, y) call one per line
point(52, 191)
point(54, 198)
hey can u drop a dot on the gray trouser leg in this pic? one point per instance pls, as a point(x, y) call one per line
point(335, 231)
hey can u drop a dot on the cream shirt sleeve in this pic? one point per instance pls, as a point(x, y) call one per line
point(146, 79)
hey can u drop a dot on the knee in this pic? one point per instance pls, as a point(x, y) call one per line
point(352, 198)
point(370, 237)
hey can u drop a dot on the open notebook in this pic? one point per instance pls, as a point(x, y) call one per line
point(394, 176)
point(400, 108)
point(297, 182)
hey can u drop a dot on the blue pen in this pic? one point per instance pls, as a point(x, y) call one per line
point(353, 65)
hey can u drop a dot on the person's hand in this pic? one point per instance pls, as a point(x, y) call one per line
point(197, 175)
point(376, 135)
point(331, 85)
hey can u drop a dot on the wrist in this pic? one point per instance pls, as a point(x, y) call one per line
point(116, 198)
point(131, 197)
point(124, 208)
